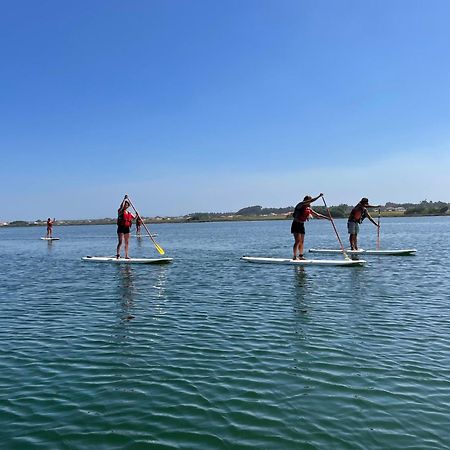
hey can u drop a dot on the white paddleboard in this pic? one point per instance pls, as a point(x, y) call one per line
point(49, 239)
point(305, 262)
point(400, 252)
point(114, 260)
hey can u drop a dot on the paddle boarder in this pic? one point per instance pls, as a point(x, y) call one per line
point(138, 226)
point(302, 213)
point(50, 223)
point(356, 217)
point(124, 222)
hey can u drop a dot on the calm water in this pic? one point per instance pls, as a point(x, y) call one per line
point(214, 353)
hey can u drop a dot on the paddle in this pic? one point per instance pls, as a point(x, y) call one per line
point(335, 229)
point(378, 230)
point(158, 248)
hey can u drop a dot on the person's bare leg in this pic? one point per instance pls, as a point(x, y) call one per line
point(354, 241)
point(301, 245)
point(126, 238)
point(295, 249)
point(120, 237)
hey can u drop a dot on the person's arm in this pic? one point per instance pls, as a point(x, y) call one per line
point(306, 202)
point(122, 205)
point(316, 198)
point(370, 218)
point(319, 216)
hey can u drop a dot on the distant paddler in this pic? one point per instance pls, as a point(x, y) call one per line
point(124, 222)
point(302, 213)
point(356, 217)
point(50, 223)
point(138, 226)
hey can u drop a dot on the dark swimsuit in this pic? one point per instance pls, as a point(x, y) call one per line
point(300, 212)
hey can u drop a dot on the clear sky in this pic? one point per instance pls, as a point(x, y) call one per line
point(214, 105)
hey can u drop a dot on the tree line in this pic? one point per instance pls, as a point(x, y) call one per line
point(424, 208)
point(343, 210)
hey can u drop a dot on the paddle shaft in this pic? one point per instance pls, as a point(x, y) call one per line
point(335, 229)
point(378, 230)
point(158, 248)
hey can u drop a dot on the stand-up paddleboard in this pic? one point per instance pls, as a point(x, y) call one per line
point(400, 252)
point(49, 239)
point(305, 262)
point(114, 260)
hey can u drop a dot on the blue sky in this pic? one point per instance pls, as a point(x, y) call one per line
point(193, 105)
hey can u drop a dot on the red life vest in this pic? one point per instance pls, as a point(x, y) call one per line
point(125, 219)
point(302, 213)
point(358, 214)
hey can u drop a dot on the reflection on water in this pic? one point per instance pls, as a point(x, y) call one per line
point(301, 287)
point(301, 302)
point(301, 277)
point(359, 282)
point(127, 291)
point(160, 282)
point(138, 241)
point(135, 281)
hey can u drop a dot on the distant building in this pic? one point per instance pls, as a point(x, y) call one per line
point(396, 209)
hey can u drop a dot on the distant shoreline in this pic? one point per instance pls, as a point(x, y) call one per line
point(187, 219)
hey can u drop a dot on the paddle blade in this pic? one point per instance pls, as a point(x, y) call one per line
point(160, 250)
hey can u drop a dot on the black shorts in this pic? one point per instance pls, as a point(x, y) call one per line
point(297, 227)
point(124, 230)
